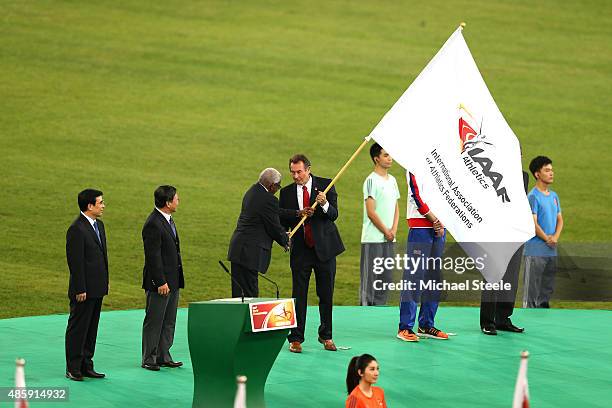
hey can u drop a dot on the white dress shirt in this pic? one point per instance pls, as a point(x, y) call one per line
point(91, 220)
point(166, 216)
point(300, 195)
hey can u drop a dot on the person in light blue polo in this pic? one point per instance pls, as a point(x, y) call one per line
point(379, 230)
point(541, 250)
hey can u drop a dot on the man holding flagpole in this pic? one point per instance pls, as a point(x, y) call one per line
point(315, 246)
point(425, 241)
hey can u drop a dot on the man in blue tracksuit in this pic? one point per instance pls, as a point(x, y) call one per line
point(425, 244)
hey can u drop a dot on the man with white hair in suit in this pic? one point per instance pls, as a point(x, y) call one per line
point(258, 225)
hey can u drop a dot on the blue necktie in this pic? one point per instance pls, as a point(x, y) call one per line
point(95, 225)
point(173, 227)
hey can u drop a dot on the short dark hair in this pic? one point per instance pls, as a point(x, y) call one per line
point(164, 194)
point(537, 163)
point(296, 158)
point(375, 150)
point(86, 197)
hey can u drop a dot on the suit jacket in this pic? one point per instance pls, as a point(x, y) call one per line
point(258, 225)
point(87, 259)
point(328, 243)
point(162, 254)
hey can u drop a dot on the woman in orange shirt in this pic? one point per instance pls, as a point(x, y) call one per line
point(362, 374)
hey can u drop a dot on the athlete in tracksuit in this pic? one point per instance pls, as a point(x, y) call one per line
point(426, 239)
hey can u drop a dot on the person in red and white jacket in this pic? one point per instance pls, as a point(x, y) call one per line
point(426, 238)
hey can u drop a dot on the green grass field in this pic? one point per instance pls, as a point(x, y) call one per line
point(124, 96)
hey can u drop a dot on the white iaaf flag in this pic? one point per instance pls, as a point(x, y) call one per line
point(447, 130)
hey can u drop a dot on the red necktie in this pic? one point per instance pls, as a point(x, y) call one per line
point(307, 227)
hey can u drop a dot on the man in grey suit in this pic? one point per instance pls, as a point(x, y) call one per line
point(162, 280)
point(258, 225)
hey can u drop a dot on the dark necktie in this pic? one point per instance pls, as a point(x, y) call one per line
point(307, 227)
point(173, 227)
point(95, 226)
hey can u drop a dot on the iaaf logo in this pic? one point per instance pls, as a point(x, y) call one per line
point(475, 144)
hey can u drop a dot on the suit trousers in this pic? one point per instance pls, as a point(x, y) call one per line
point(325, 274)
point(81, 334)
point(158, 327)
point(496, 306)
point(247, 279)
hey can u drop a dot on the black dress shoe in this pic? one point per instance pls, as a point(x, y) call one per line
point(74, 376)
point(93, 374)
point(152, 367)
point(489, 330)
point(509, 327)
point(171, 364)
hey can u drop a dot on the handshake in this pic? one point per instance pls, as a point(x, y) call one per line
point(307, 211)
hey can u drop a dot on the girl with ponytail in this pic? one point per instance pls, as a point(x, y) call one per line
point(361, 375)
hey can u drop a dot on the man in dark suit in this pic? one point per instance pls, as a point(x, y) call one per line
point(315, 246)
point(496, 307)
point(258, 224)
point(162, 280)
point(88, 265)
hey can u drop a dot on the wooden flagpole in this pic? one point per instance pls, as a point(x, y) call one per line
point(363, 144)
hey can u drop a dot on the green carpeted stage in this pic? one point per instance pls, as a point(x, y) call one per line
point(570, 362)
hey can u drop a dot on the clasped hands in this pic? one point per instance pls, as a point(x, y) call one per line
point(307, 211)
point(390, 235)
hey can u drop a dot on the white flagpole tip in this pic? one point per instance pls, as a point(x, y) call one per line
point(20, 362)
point(524, 354)
point(241, 379)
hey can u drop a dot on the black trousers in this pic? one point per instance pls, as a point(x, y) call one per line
point(325, 274)
point(81, 334)
point(496, 306)
point(246, 278)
